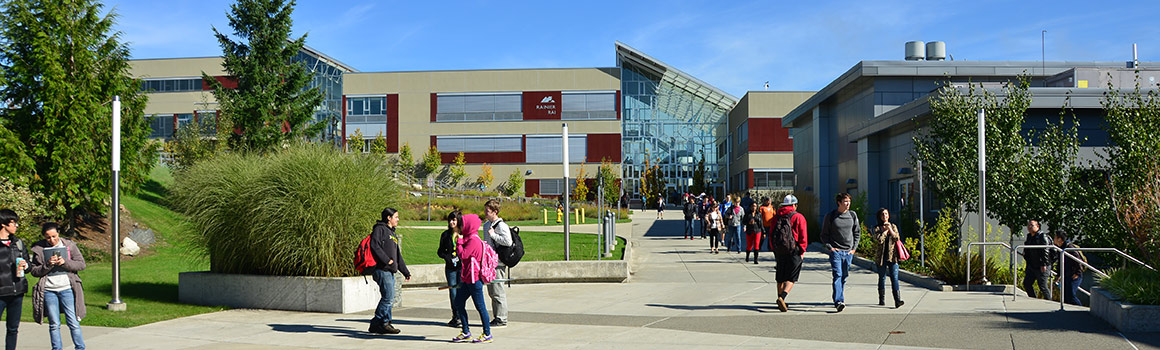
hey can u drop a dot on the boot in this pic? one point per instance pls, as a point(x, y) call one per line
point(755, 257)
point(377, 328)
point(746, 256)
point(898, 300)
point(391, 329)
point(882, 297)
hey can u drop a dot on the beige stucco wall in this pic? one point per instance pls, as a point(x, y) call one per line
point(176, 67)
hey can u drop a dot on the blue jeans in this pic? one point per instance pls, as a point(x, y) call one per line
point(890, 269)
point(11, 305)
point(740, 240)
point(840, 266)
point(689, 227)
point(386, 282)
point(475, 291)
point(54, 303)
point(1071, 290)
point(453, 280)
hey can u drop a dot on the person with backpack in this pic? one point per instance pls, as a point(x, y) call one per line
point(690, 211)
point(13, 282)
point(716, 226)
point(447, 251)
point(498, 235)
point(1072, 271)
point(1038, 262)
point(727, 216)
point(473, 256)
point(788, 243)
point(59, 288)
point(840, 234)
point(886, 240)
point(753, 230)
point(384, 243)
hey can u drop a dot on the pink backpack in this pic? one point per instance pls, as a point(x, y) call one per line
point(483, 270)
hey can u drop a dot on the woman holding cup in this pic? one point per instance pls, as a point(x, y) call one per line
point(13, 283)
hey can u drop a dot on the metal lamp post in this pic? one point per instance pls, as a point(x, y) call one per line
point(567, 202)
point(116, 304)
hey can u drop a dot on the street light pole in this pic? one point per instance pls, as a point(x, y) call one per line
point(982, 189)
point(116, 304)
point(567, 203)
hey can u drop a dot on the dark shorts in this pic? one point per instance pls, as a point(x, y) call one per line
point(788, 267)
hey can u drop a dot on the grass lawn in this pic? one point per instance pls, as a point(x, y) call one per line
point(419, 246)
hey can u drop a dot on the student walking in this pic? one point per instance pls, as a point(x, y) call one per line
point(840, 234)
point(660, 207)
point(13, 283)
point(497, 234)
point(447, 251)
point(388, 261)
point(886, 240)
point(768, 212)
point(727, 217)
point(1038, 261)
point(59, 288)
point(690, 211)
point(789, 264)
point(470, 251)
point(713, 219)
point(753, 231)
point(737, 227)
point(1072, 272)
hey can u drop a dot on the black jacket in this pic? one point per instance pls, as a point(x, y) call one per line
point(385, 248)
point(447, 250)
point(752, 223)
point(690, 210)
point(1037, 257)
point(9, 283)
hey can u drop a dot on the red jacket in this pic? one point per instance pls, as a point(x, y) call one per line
point(798, 224)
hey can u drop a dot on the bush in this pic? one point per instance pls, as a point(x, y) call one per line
point(1135, 284)
point(297, 212)
point(27, 205)
point(952, 269)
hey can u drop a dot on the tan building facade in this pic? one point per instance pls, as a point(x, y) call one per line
point(761, 150)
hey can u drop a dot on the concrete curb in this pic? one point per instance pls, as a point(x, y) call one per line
point(1122, 315)
point(907, 276)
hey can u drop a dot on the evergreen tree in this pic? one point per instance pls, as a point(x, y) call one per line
point(62, 64)
point(271, 103)
point(379, 147)
point(406, 161)
point(431, 161)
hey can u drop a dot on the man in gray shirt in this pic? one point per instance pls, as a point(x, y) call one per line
point(496, 234)
point(840, 234)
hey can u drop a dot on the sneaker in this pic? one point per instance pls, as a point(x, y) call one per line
point(454, 323)
point(497, 323)
point(486, 338)
point(841, 306)
point(462, 337)
point(781, 304)
point(391, 329)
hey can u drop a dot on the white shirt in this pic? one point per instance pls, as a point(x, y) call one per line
point(57, 279)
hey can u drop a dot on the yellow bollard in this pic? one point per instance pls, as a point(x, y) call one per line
point(545, 216)
point(559, 215)
point(577, 213)
point(582, 218)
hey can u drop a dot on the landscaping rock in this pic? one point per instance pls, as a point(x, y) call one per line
point(129, 247)
point(143, 237)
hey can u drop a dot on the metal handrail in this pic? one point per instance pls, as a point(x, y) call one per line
point(984, 255)
point(1063, 255)
point(1015, 270)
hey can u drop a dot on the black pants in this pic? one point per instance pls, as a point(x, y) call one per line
point(713, 238)
point(11, 305)
point(1035, 274)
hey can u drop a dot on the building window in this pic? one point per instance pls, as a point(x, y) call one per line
point(171, 85)
point(479, 107)
point(207, 120)
point(549, 149)
point(554, 187)
point(469, 144)
point(184, 118)
point(161, 125)
point(366, 109)
point(588, 105)
point(773, 180)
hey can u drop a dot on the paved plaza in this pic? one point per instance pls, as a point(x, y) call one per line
point(679, 297)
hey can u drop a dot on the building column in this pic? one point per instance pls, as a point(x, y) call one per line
point(870, 173)
point(824, 169)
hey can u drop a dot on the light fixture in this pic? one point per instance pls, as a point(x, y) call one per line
point(528, 173)
point(904, 171)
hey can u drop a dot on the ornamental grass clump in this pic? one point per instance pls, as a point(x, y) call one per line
point(1135, 284)
point(295, 212)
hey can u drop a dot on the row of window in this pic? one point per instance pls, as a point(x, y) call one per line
point(554, 187)
point(509, 106)
point(360, 106)
point(773, 179)
point(165, 125)
point(540, 149)
point(172, 85)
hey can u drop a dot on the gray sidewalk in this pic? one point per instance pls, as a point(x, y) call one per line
point(678, 297)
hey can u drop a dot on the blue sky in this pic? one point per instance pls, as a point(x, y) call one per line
point(736, 46)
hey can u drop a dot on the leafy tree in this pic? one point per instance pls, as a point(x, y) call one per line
point(611, 187)
point(354, 142)
point(189, 146)
point(458, 168)
point(698, 177)
point(406, 161)
point(1133, 117)
point(379, 146)
point(514, 184)
point(431, 160)
point(652, 185)
point(62, 63)
point(485, 176)
point(271, 103)
point(580, 192)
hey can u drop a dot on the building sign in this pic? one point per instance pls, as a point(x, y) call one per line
point(541, 105)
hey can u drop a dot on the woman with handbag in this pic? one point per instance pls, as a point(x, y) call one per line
point(888, 252)
point(716, 227)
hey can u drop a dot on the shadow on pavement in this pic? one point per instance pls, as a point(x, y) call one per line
point(755, 308)
point(1075, 321)
point(342, 331)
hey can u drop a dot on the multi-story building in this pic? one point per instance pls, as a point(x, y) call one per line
point(759, 148)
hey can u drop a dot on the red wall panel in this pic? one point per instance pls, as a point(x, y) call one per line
point(749, 184)
point(484, 157)
point(434, 105)
point(531, 187)
point(392, 123)
point(227, 82)
point(618, 105)
point(541, 105)
point(603, 145)
point(767, 135)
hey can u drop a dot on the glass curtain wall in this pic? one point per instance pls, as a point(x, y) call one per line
point(327, 77)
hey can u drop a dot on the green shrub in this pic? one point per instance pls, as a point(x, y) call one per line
point(1135, 284)
point(297, 212)
point(27, 204)
point(952, 269)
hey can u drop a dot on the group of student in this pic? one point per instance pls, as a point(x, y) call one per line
point(465, 256)
point(783, 229)
point(55, 261)
point(1040, 261)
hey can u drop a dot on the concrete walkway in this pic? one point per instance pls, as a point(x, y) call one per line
point(679, 297)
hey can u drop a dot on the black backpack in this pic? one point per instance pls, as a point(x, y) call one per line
point(511, 255)
point(781, 240)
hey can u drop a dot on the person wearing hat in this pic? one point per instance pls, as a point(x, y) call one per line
point(789, 266)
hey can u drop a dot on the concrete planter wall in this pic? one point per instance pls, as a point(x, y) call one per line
point(354, 294)
point(1125, 316)
point(907, 276)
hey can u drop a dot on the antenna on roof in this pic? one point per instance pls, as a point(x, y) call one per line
point(767, 81)
point(1135, 59)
